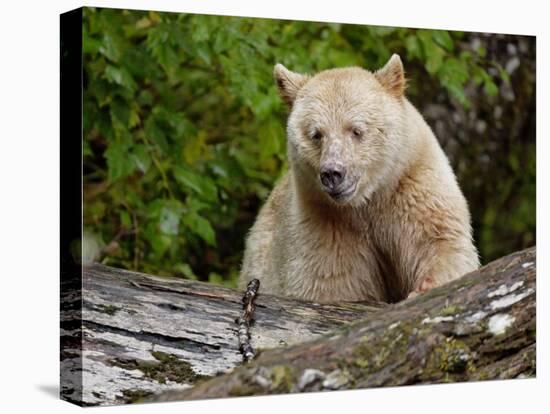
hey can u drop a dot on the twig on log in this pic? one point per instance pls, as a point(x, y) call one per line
point(245, 320)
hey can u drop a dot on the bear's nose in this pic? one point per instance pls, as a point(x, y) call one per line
point(332, 175)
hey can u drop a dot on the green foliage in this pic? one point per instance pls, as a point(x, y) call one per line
point(184, 129)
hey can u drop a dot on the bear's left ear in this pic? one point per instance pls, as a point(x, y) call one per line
point(288, 82)
point(392, 76)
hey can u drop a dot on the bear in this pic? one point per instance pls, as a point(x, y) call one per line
point(370, 208)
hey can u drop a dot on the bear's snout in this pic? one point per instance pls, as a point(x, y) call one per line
point(332, 176)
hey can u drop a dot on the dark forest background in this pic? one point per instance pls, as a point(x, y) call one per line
point(184, 133)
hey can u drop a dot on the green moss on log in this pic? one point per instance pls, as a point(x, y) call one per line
point(168, 368)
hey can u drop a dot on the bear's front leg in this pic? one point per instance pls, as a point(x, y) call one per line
point(443, 262)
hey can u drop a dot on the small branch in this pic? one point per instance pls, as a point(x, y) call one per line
point(246, 319)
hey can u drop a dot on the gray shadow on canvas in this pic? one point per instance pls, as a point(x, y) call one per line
point(49, 389)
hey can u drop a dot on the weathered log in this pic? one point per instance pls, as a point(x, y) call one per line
point(138, 334)
point(480, 327)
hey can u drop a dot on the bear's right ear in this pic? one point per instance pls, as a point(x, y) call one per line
point(288, 82)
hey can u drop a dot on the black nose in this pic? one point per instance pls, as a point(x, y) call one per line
point(332, 175)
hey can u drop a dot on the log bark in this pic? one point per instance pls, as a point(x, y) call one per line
point(138, 334)
point(479, 327)
point(141, 337)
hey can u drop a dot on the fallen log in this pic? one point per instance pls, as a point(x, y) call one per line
point(130, 335)
point(479, 327)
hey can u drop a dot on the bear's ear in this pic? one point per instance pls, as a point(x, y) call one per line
point(392, 76)
point(288, 82)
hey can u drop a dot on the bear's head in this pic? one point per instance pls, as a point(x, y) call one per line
point(346, 129)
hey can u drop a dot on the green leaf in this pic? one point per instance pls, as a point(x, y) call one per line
point(155, 133)
point(218, 279)
point(200, 29)
point(195, 205)
point(169, 219)
point(120, 113)
point(504, 75)
point(412, 44)
point(159, 45)
point(186, 270)
point(202, 185)
point(490, 87)
point(458, 92)
point(159, 242)
point(443, 39)
point(271, 136)
point(125, 220)
point(118, 162)
point(141, 157)
point(433, 53)
point(145, 98)
point(90, 45)
point(434, 61)
point(381, 31)
point(454, 71)
point(109, 48)
point(481, 51)
point(200, 226)
point(120, 76)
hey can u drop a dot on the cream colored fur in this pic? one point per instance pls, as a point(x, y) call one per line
point(404, 229)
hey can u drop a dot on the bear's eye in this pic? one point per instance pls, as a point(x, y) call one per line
point(357, 133)
point(317, 135)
